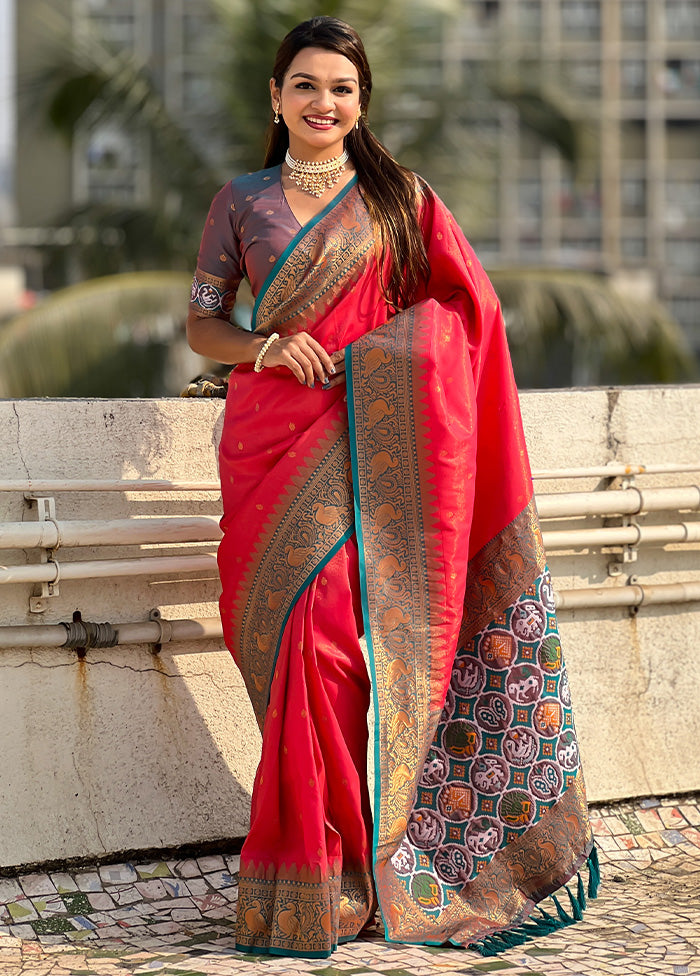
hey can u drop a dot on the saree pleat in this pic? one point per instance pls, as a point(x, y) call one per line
point(305, 879)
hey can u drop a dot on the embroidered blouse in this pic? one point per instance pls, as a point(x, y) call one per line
point(248, 227)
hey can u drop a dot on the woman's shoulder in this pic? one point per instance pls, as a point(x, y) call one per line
point(250, 184)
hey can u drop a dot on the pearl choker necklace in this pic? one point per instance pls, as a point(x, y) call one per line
point(316, 177)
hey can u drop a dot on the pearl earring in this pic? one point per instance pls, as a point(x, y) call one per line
point(277, 115)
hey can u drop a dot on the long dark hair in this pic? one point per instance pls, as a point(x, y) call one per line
point(388, 189)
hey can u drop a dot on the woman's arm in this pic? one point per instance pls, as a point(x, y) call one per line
point(217, 339)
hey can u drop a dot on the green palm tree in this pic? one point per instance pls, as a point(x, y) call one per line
point(557, 321)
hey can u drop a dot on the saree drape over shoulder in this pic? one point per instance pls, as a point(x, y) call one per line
point(404, 512)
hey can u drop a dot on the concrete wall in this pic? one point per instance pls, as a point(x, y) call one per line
point(126, 749)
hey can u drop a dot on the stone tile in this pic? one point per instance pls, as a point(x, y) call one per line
point(165, 928)
point(159, 869)
point(650, 819)
point(198, 886)
point(672, 817)
point(112, 874)
point(185, 914)
point(607, 843)
point(673, 837)
point(691, 812)
point(170, 903)
point(101, 901)
point(63, 882)
point(10, 890)
point(220, 879)
point(37, 884)
point(693, 835)
point(152, 890)
point(209, 901)
point(88, 881)
point(184, 869)
point(207, 865)
point(234, 863)
point(127, 896)
point(22, 910)
point(49, 906)
point(22, 931)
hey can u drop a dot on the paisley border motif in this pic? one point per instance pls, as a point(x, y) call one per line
point(396, 594)
point(301, 913)
point(307, 526)
point(327, 256)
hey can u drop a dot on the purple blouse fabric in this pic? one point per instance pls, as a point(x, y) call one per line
point(248, 227)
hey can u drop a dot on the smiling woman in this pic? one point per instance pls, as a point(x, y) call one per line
point(375, 481)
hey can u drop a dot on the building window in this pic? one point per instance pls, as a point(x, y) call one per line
point(682, 20)
point(580, 20)
point(633, 248)
point(682, 201)
point(633, 79)
point(529, 13)
point(583, 77)
point(634, 19)
point(681, 78)
point(633, 197)
point(683, 256)
point(530, 200)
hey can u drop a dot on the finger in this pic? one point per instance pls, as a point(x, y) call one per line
point(325, 361)
point(334, 381)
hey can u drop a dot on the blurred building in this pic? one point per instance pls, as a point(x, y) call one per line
point(629, 71)
point(106, 163)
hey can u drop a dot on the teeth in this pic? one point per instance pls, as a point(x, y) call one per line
point(317, 121)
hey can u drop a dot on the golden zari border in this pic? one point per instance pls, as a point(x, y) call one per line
point(322, 267)
point(305, 525)
point(300, 911)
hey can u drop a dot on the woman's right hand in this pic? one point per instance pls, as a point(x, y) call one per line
point(304, 356)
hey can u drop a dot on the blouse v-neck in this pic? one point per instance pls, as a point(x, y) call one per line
point(324, 208)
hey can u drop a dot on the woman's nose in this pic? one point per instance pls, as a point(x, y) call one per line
point(324, 100)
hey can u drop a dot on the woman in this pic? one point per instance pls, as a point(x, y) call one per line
point(375, 479)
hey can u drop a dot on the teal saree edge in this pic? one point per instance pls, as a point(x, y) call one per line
point(314, 572)
point(299, 236)
point(365, 603)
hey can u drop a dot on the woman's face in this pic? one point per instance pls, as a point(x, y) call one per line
point(319, 101)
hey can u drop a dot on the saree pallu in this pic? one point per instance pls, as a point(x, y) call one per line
point(406, 512)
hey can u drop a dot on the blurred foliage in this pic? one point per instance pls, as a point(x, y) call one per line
point(563, 327)
point(105, 337)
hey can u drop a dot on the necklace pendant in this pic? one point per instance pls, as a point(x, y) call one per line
point(316, 177)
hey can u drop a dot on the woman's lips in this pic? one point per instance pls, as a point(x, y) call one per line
point(319, 122)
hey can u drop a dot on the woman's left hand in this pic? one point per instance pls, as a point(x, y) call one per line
point(338, 377)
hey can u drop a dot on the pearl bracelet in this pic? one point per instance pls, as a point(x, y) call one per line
point(265, 346)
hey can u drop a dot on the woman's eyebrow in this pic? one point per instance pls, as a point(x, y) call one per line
point(337, 81)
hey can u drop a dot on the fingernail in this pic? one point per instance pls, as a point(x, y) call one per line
point(332, 369)
point(326, 385)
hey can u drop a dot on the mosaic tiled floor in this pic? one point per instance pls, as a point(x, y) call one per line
point(175, 917)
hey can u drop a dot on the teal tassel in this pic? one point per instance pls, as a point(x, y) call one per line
point(534, 927)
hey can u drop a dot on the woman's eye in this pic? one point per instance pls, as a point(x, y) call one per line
point(303, 84)
point(342, 90)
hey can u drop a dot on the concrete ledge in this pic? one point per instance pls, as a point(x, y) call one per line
point(124, 749)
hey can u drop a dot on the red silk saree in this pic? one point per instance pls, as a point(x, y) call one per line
point(400, 508)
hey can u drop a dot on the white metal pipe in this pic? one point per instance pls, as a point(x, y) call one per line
point(628, 596)
point(54, 570)
point(615, 470)
point(623, 501)
point(50, 486)
point(116, 532)
point(209, 628)
point(143, 632)
point(622, 535)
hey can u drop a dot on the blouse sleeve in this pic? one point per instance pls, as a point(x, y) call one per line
point(218, 273)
